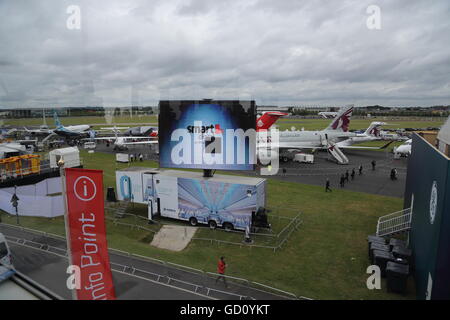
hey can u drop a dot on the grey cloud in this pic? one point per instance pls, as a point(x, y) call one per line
point(276, 52)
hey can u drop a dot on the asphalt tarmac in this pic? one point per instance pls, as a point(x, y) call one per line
point(370, 181)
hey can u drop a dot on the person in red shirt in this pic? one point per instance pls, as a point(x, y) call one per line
point(221, 265)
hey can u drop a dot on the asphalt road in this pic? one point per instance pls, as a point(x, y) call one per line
point(150, 280)
point(48, 269)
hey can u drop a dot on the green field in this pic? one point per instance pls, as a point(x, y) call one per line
point(283, 123)
point(356, 124)
point(67, 121)
point(325, 259)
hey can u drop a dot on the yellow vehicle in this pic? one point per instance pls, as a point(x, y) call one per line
point(20, 165)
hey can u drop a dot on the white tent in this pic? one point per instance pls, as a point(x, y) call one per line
point(70, 156)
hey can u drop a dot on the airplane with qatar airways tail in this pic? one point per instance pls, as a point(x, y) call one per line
point(329, 138)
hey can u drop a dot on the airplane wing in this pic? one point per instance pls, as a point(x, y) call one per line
point(113, 129)
point(296, 146)
point(369, 148)
point(139, 142)
point(100, 138)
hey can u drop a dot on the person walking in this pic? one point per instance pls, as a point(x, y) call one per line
point(394, 174)
point(360, 169)
point(373, 165)
point(346, 176)
point(342, 181)
point(221, 265)
point(353, 173)
point(141, 157)
point(327, 186)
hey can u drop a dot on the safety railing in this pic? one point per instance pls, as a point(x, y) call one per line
point(282, 236)
point(396, 222)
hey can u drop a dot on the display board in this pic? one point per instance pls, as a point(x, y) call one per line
point(207, 134)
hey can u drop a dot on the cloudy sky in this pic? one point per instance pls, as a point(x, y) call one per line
point(282, 52)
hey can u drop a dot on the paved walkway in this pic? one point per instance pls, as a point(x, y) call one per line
point(143, 278)
point(174, 238)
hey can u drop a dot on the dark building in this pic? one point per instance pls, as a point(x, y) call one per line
point(428, 195)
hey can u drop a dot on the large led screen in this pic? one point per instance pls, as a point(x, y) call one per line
point(207, 134)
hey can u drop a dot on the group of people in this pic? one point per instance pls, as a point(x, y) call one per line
point(135, 157)
point(346, 177)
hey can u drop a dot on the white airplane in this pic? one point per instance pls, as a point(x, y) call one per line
point(327, 114)
point(122, 143)
point(404, 149)
point(114, 129)
point(372, 133)
point(72, 131)
point(43, 129)
point(329, 138)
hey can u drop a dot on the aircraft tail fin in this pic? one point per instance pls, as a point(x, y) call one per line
point(342, 120)
point(268, 119)
point(57, 122)
point(373, 129)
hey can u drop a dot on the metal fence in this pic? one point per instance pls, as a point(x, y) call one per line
point(394, 223)
point(281, 237)
point(189, 278)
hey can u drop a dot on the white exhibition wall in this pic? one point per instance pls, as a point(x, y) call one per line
point(34, 200)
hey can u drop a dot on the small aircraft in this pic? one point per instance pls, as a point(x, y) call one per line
point(42, 131)
point(142, 131)
point(372, 133)
point(123, 142)
point(114, 129)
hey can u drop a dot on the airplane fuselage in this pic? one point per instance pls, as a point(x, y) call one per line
point(309, 139)
point(72, 131)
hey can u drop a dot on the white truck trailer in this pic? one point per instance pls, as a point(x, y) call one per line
point(232, 202)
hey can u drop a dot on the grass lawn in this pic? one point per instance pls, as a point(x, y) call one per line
point(355, 124)
point(325, 259)
point(283, 123)
point(67, 121)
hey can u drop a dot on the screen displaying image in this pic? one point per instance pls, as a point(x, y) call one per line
point(207, 134)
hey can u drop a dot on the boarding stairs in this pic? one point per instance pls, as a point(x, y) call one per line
point(394, 223)
point(337, 153)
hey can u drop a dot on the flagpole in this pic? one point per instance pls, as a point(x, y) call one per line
point(62, 173)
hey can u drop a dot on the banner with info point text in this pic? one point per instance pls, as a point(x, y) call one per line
point(86, 234)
